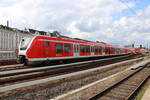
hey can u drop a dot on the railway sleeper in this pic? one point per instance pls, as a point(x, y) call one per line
point(105, 98)
point(132, 83)
point(127, 86)
point(112, 97)
point(119, 93)
point(123, 89)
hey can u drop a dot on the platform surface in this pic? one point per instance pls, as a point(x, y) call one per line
point(146, 95)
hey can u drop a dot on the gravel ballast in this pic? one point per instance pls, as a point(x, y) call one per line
point(48, 91)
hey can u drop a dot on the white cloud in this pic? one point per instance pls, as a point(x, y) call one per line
point(87, 19)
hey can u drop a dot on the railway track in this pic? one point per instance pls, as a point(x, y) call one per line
point(22, 66)
point(13, 76)
point(12, 67)
point(7, 62)
point(71, 80)
point(126, 88)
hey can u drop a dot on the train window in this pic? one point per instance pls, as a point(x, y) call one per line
point(112, 50)
point(106, 49)
point(47, 44)
point(67, 48)
point(100, 49)
point(59, 48)
point(82, 48)
point(88, 49)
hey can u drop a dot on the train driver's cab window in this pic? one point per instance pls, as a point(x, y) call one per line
point(24, 43)
point(59, 48)
point(67, 48)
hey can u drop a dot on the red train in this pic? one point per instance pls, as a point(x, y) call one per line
point(45, 48)
point(140, 51)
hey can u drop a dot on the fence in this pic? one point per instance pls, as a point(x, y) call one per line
point(9, 41)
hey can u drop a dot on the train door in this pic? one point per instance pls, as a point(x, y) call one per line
point(47, 49)
point(92, 50)
point(76, 49)
point(103, 50)
point(107, 51)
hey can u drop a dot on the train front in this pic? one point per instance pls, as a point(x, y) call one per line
point(23, 48)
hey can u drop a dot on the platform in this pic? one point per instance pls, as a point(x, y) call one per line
point(146, 95)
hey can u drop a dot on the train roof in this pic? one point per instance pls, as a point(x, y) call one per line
point(69, 40)
point(75, 40)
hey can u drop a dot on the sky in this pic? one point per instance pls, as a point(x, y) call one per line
point(117, 22)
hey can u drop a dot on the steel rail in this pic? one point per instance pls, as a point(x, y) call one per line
point(130, 95)
point(36, 69)
point(9, 66)
point(55, 78)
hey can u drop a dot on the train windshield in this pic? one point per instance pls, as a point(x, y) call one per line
point(24, 43)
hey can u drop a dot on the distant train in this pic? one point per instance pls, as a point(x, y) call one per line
point(139, 51)
point(44, 48)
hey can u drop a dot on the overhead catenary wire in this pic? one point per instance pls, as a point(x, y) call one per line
point(131, 10)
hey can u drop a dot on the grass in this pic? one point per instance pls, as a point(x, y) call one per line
point(140, 94)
